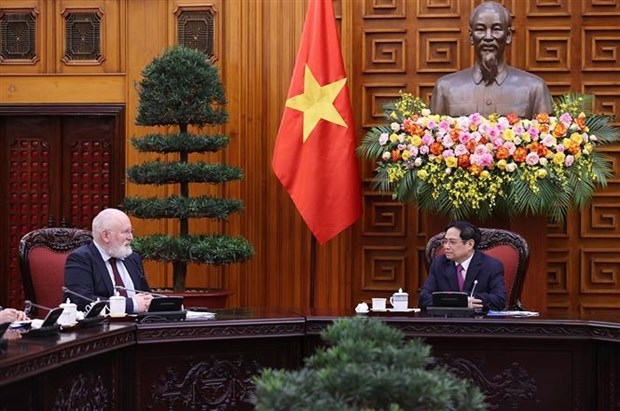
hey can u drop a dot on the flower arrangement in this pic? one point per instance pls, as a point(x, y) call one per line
point(474, 166)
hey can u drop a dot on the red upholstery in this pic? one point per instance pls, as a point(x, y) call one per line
point(508, 247)
point(42, 256)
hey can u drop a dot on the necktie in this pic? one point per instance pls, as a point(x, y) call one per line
point(459, 276)
point(118, 281)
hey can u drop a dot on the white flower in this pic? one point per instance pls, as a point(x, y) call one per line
point(395, 126)
point(543, 161)
point(386, 155)
point(418, 162)
point(511, 167)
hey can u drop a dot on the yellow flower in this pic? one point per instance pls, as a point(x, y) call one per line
point(393, 137)
point(452, 161)
point(541, 173)
point(508, 134)
point(422, 174)
point(406, 155)
point(558, 158)
point(501, 164)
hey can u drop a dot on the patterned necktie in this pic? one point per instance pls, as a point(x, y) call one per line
point(118, 281)
point(459, 276)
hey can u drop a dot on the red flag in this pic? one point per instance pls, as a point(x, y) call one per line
point(314, 155)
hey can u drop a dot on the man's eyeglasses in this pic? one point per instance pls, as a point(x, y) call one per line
point(451, 241)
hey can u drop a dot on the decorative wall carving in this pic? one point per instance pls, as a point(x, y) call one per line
point(83, 36)
point(18, 35)
point(384, 268)
point(196, 29)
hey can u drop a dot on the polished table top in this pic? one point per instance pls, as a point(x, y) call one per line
point(26, 356)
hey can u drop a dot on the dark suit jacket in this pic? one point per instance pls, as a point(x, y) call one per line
point(86, 274)
point(487, 270)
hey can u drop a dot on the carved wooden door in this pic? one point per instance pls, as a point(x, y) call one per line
point(56, 170)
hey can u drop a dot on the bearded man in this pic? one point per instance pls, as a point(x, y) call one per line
point(490, 86)
point(107, 265)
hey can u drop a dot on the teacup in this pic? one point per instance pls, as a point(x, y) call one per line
point(378, 304)
point(400, 300)
point(117, 306)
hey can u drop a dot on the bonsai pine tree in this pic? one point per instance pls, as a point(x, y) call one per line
point(367, 365)
point(182, 88)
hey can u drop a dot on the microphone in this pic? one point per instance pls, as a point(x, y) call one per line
point(68, 291)
point(473, 288)
point(29, 304)
point(120, 287)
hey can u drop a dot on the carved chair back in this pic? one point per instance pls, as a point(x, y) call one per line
point(42, 256)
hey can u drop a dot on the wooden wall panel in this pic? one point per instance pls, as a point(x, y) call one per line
point(387, 46)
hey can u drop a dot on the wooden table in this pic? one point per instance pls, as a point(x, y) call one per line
point(522, 364)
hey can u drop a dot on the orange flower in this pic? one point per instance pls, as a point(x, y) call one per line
point(542, 118)
point(396, 155)
point(581, 122)
point(454, 134)
point(520, 154)
point(436, 148)
point(475, 169)
point(573, 147)
point(538, 148)
point(464, 161)
point(502, 153)
point(512, 118)
point(471, 145)
point(559, 130)
point(413, 128)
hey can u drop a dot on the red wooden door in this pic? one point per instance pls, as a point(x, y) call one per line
point(56, 170)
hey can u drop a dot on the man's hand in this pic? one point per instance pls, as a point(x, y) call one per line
point(9, 315)
point(474, 302)
point(143, 301)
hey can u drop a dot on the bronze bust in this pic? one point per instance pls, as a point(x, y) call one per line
point(490, 86)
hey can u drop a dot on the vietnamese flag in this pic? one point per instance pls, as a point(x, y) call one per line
point(314, 155)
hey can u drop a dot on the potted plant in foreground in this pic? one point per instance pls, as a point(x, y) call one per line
point(368, 365)
point(179, 90)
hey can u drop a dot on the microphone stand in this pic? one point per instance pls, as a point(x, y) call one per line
point(68, 291)
point(120, 287)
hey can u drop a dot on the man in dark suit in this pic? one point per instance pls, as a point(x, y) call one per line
point(95, 270)
point(462, 259)
point(490, 86)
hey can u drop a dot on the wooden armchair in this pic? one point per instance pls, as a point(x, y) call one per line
point(508, 247)
point(42, 256)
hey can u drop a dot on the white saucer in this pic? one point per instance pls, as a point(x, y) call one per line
point(361, 312)
point(379, 310)
point(406, 310)
point(117, 315)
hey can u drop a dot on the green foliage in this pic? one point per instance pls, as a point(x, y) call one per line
point(182, 207)
point(202, 249)
point(367, 365)
point(159, 172)
point(181, 87)
point(179, 143)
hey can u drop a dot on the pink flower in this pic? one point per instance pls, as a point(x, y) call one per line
point(532, 159)
point(383, 138)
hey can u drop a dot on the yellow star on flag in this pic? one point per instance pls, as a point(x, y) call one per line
point(317, 102)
